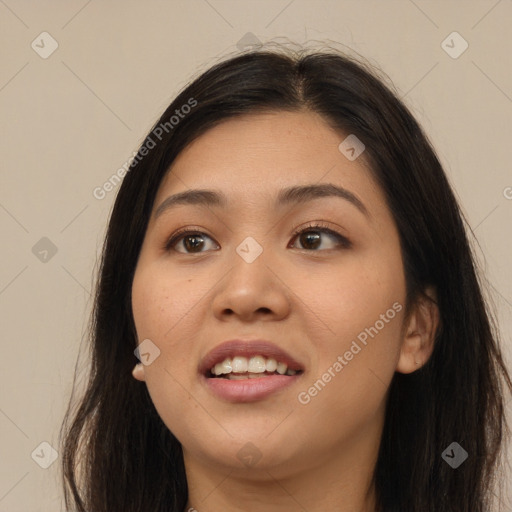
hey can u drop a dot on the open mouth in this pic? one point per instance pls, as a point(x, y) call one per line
point(239, 372)
point(256, 367)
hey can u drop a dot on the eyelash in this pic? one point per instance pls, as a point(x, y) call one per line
point(313, 226)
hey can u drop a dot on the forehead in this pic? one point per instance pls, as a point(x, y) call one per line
point(253, 156)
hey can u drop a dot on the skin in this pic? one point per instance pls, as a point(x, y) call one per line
point(312, 301)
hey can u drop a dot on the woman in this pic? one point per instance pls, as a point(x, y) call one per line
point(288, 315)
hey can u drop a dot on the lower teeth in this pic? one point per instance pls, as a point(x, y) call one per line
point(243, 376)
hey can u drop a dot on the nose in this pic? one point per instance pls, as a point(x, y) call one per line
point(252, 291)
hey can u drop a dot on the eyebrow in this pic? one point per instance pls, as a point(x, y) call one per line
point(296, 194)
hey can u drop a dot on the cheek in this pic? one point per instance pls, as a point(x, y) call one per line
point(362, 305)
point(163, 309)
point(161, 301)
point(346, 299)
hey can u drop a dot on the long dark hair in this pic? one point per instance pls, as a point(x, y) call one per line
point(118, 455)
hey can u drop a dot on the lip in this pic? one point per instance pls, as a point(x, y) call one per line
point(248, 390)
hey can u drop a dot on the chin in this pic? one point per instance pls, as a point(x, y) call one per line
point(252, 452)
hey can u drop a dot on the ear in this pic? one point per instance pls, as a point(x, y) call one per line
point(138, 372)
point(419, 332)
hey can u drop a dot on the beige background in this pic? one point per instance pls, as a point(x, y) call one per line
point(69, 121)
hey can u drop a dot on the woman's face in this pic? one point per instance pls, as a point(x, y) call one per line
point(333, 301)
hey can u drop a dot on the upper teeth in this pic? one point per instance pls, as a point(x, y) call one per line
point(256, 364)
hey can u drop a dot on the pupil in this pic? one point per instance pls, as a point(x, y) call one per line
point(192, 245)
point(309, 236)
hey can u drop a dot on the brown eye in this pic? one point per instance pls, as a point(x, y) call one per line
point(311, 238)
point(191, 241)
